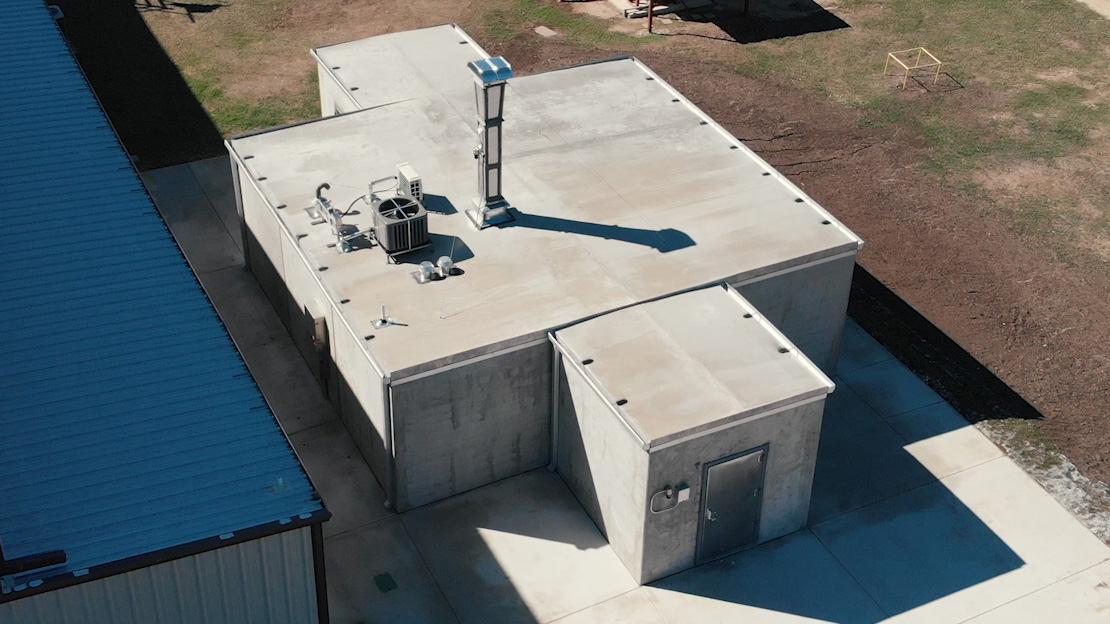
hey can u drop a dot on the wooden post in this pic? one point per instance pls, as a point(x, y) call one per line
point(651, 13)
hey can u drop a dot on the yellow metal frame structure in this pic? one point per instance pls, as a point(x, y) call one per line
point(917, 53)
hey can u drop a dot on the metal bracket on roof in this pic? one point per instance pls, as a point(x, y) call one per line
point(385, 321)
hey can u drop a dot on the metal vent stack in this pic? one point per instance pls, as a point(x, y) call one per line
point(490, 76)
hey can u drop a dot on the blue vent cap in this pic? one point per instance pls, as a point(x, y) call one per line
point(495, 69)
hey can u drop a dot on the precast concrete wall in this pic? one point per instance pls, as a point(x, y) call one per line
point(670, 537)
point(361, 400)
point(270, 580)
point(808, 305)
point(262, 234)
point(305, 301)
point(471, 423)
point(334, 97)
point(603, 464)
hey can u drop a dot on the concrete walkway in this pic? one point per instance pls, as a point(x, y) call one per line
point(1100, 6)
point(916, 517)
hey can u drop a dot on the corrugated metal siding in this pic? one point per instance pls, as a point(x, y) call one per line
point(128, 421)
point(268, 581)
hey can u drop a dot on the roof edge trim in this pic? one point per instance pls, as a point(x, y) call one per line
point(165, 555)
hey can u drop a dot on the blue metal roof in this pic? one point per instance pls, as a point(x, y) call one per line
point(128, 422)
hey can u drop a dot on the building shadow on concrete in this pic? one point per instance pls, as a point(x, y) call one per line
point(150, 104)
point(663, 241)
point(951, 371)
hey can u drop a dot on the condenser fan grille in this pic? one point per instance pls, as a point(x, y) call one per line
point(400, 225)
point(399, 208)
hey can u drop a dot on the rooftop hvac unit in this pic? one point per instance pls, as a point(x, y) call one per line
point(408, 182)
point(401, 225)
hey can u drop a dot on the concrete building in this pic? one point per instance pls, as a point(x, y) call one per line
point(622, 194)
point(712, 442)
point(143, 478)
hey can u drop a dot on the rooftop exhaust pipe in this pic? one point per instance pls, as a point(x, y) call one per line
point(489, 92)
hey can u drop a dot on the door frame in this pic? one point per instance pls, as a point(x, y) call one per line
point(766, 448)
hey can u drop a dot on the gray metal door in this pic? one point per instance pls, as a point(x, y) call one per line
point(731, 501)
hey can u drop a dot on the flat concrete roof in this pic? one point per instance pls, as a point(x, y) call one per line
point(400, 66)
point(692, 362)
point(623, 192)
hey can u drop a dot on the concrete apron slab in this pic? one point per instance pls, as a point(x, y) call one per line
point(1082, 598)
point(214, 177)
point(341, 476)
point(890, 388)
point(243, 307)
point(984, 542)
point(860, 459)
point(520, 550)
point(941, 440)
point(858, 349)
point(634, 606)
point(957, 548)
point(375, 574)
point(196, 227)
point(289, 387)
point(791, 579)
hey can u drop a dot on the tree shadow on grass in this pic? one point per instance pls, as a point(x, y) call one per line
point(751, 21)
point(188, 9)
point(152, 108)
